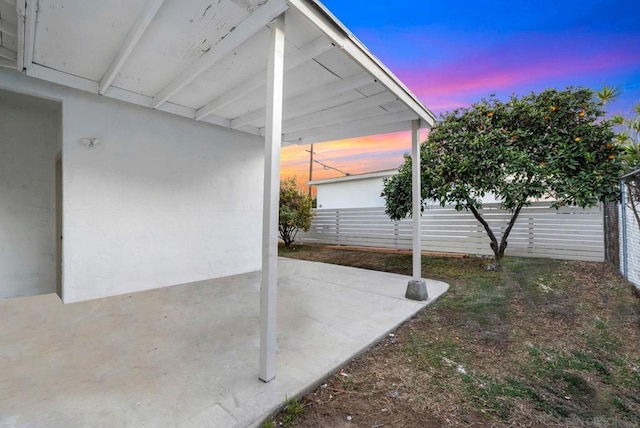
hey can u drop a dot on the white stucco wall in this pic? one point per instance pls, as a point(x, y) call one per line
point(162, 200)
point(30, 138)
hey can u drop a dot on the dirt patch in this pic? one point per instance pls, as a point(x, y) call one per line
point(542, 343)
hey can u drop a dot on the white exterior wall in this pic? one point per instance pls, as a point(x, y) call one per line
point(632, 246)
point(162, 200)
point(353, 192)
point(30, 138)
point(362, 193)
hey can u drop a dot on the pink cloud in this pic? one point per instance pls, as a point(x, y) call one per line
point(508, 68)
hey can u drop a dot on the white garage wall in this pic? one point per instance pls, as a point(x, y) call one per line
point(354, 191)
point(161, 200)
point(29, 142)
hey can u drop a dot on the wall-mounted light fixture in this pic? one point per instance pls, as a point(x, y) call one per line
point(90, 143)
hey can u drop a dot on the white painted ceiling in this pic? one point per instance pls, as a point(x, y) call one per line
point(206, 59)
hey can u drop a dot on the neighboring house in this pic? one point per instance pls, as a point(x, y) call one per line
point(352, 191)
point(140, 140)
point(357, 191)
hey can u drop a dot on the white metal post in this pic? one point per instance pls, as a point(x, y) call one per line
point(417, 289)
point(273, 137)
point(416, 199)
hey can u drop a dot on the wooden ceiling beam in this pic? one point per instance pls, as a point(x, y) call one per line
point(135, 34)
point(257, 20)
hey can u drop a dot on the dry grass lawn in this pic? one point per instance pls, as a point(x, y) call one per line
point(541, 343)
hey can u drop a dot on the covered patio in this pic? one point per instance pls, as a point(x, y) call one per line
point(186, 355)
point(165, 141)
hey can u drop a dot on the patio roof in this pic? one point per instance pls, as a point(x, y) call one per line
point(285, 70)
point(207, 60)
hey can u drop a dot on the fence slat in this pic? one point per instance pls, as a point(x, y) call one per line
point(569, 233)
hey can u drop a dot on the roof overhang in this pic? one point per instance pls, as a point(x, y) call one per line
point(207, 61)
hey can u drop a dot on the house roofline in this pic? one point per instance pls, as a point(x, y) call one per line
point(364, 176)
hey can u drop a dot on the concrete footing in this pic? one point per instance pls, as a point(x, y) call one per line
point(417, 290)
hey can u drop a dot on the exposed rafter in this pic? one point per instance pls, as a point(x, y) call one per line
point(321, 18)
point(309, 101)
point(247, 28)
point(135, 34)
point(8, 28)
point(27, 10)
point(91, 86)
point(337, 114)
point(7, 64)
point(293, 60)
point(351, 133)
point(353, 128)
point(8, 54)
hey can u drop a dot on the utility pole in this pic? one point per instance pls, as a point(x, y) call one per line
point(324, 165)
point(310, 167)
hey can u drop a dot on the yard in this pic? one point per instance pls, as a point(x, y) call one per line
point(542, 343)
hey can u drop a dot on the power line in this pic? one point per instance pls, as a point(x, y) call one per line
point(324, 165)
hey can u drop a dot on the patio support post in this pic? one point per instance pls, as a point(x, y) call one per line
point(417, 288)
point(273, 138)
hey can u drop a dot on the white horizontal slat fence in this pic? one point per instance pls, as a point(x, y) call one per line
point(568, 233)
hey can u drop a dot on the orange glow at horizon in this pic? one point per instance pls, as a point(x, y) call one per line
point(353, 156)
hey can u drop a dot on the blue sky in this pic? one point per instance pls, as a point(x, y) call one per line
point(451, 54)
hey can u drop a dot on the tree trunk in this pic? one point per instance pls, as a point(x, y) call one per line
point(498, 249)
point(288, 235)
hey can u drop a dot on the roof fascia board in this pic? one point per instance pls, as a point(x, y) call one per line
point(345, 40)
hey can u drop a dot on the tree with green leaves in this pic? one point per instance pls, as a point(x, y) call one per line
point(629, 138)
point(555, 144)
point(295, 211)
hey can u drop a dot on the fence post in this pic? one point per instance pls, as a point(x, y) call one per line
point(338, 226)
point(395, 235)
point(611, 234)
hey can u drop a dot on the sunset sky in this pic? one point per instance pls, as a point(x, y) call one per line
point(451, 54)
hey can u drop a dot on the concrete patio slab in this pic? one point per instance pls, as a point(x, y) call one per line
point(187, 355)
